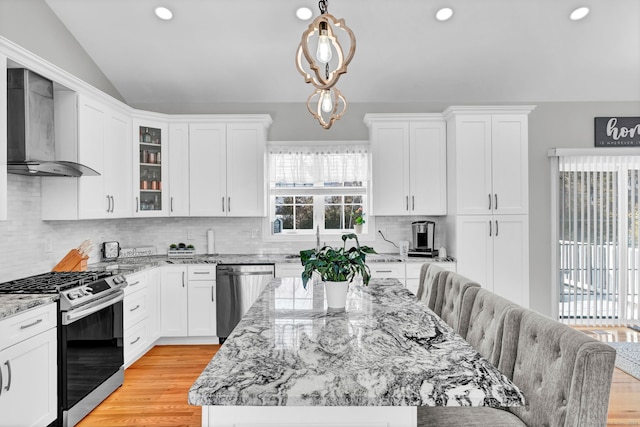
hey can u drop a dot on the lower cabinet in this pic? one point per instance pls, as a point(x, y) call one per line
point(138, 305)
point(187, 301)
point(387, 270)
point(201, 305)
point(413, 272)
point(493, 251)
point(28, 368)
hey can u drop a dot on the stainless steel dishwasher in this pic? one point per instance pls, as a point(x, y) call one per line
point(238, 287)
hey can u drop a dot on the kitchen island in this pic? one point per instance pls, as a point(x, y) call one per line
point(292, 362)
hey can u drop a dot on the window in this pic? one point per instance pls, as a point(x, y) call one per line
point(320, 187)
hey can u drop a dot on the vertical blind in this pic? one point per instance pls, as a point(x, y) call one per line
point(598, 239)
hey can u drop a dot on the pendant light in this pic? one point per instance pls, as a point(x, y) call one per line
point(323, 68)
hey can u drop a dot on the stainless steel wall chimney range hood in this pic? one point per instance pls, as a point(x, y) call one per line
point(30, 128)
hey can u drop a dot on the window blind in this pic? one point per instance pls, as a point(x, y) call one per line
point(598, 239)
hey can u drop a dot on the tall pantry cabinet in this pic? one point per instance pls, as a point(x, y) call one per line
point(488, 224)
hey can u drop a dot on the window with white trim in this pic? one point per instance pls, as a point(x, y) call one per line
point(322, 187)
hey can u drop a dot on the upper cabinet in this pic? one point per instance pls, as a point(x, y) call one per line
point(178, 169)
point(150, 174)
point(227, 167)
point(408, 164)
point(95, 134)
point(489, 161)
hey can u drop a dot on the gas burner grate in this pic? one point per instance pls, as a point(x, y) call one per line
point(51, 283)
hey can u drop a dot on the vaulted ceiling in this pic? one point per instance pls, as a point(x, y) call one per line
point(243, 50)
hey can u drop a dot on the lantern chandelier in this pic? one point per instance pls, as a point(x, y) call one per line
point(326, 104)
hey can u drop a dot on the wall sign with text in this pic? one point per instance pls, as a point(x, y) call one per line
point(617, 131)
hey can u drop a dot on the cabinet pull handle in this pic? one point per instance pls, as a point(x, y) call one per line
point(407, 201)
point(135, 308)
point(171, 203)
point(1, 381)
point(108, 204)
point(489, 201)
point(134, 283)
point(113, 204)
point(134, 341)
point(496, 228)
point(223, 204)
point(212, 294)
point(495, 196)
point(9, 374)
point(183, 279)
point(384, 271)
point(413, 203)
point(30, 324)
point(201, 272)
point(228, 204)
point(490, 233)
point(137, 205)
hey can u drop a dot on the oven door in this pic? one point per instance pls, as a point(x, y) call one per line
point(91, 347)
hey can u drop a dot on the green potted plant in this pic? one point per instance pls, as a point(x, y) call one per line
point(358, 220)
point(336, 268)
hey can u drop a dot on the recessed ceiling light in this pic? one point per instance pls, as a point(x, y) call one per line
point(163, 13)
point(579, 13)
point(444, 14)
point(304, 13)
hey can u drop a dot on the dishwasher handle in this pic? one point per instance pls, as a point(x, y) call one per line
point(247, 273)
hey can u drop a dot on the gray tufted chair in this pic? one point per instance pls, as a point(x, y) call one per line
point(428, 287)
point(482, 322)
point(564, 374)
point(451, 289)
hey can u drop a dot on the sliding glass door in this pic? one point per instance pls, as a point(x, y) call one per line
point(597, 229)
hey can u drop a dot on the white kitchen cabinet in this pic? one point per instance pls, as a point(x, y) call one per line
point(288, 269)
point(412, 272)
point(387, 270)
point(178, 169)
point(138, 304)
point(489, 162)
point(97, 135)
point(28, 368)
point(409, 156)
point(202, 303)
point(153, 320)
point(173, 301)
point(227, 167)
point(3, 138)
point(151, 170)
point(493, 250)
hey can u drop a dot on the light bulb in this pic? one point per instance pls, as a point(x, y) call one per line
point(323, 54)
point(325, 102)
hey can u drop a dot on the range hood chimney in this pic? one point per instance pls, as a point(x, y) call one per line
point(30, 131)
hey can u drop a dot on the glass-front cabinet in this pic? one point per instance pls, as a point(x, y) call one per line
point(151, 170)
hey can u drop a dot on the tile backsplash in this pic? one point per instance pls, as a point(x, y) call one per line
point(31, 246)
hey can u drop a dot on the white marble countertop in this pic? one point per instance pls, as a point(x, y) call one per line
point(384, 350)
point(11, 304)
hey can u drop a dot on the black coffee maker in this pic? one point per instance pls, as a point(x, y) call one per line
point(423, 239)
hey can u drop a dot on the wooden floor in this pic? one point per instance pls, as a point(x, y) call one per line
point(155, 388)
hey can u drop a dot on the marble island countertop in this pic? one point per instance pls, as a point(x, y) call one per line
point(11, 304)
point(384, 350)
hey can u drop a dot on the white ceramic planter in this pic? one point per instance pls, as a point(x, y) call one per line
point(336, 293)
point(357, 228)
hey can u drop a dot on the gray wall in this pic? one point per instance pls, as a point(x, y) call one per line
point(31, 24)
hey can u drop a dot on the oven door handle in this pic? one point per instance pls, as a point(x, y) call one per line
point(77, 314)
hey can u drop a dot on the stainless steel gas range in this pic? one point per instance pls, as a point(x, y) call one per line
point(90, 336)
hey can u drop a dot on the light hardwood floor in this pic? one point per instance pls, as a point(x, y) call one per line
point(155, 388)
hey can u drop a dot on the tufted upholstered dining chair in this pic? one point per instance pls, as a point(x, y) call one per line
point(451, 289)
point(428, 286)
point(564, 374)
point(482, 322)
